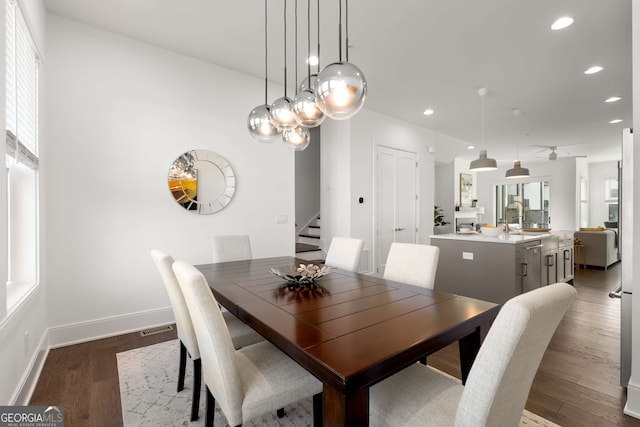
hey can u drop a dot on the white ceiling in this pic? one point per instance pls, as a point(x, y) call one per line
point(417, 54)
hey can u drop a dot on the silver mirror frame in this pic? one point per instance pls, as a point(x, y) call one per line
point(183, 179)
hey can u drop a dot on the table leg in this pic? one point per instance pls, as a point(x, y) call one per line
point(469, 347)
point(345, 410)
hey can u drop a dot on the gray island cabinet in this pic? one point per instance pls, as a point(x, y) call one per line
point(498, 268)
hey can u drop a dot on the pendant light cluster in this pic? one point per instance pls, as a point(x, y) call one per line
point(337, 92)
point(483, 163)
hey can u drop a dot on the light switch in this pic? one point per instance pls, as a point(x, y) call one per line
point(282, 219)
point(467, 255)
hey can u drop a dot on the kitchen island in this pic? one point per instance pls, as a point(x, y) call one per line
point(498, 268)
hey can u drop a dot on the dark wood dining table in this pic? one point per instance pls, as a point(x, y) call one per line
point(354, 330)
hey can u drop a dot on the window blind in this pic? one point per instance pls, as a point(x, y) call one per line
point(22, 89)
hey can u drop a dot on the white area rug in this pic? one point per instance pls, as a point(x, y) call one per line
point(148, 378)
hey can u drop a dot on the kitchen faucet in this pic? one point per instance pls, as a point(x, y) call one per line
point(506, 219)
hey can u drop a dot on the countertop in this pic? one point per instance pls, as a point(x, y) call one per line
point(512, 238)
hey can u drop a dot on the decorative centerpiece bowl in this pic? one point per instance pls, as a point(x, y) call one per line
point(304, 275)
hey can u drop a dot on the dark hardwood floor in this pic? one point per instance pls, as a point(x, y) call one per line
point(576, 385)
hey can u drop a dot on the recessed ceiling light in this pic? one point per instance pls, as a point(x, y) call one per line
point(614, 121)
point(594, 69)
point(428, 112)
point(613, 99)
point(312, 60)
point(561, 23)
point(470, 147)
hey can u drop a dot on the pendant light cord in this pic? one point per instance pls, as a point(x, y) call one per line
point(285, 48)
point(295, 56)
point(266, 79)
point(309, 41)
point(318, 29)
point(483, 119)
point(340, 30)
point(346, 28)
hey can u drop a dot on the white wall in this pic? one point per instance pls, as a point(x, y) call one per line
point(307, 181)
point(119, 113)
point(631, 261)
point(563, 191)
point(598, 172)
point(20, 358)
point(335, 180)
point(369, 129)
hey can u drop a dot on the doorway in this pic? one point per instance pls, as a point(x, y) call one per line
point(396, 200)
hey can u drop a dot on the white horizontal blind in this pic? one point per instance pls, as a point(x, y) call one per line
point(11, 67)
point(22, 89)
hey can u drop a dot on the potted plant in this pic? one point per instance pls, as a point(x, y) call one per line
point(440, 226)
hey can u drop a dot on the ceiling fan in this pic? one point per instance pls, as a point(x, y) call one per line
point(552, 154)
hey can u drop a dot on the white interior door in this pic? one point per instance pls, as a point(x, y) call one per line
point(396, 200)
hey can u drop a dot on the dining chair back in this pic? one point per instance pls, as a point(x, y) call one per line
point(498, 385)
point(344, 253)
point(241, 334)
point(184, 328)
point(231, 248)
point(501, 376)
point(412, 263)
point(248, 382)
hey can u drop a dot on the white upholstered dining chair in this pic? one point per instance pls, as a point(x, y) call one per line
point(498, 384)
point(248, 382)
point(413, 264)
point(241, 334)
point(344, 253)
point(231, 248)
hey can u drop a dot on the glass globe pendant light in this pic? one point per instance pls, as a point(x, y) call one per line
point(297, 138)
point(281, 109)
point(305, 108)
point(260, 125)
point(259, 121)
point(341, 87)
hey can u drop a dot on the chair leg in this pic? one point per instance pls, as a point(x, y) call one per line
point(280, 412)
point(423, 360)
point(197, 384)
point(182, 366)
point(317, 410)
point(210, 409)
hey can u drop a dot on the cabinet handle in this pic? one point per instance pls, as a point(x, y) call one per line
point(549, 260)
point(525, 273)
point(528, 248)
point(399, 229)
point(567, 254)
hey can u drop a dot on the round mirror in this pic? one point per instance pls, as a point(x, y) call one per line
point(202, 181)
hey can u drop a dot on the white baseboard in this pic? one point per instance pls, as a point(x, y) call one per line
point(632, 407)
point(23, 394)
point(75, 333)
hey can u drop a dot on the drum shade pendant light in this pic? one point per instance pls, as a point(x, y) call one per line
point(298, 137)
point(341, 87)
point(281, 109)
point(259, 121)
point(305, 108)
point(483, 163)
point(517, 171)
